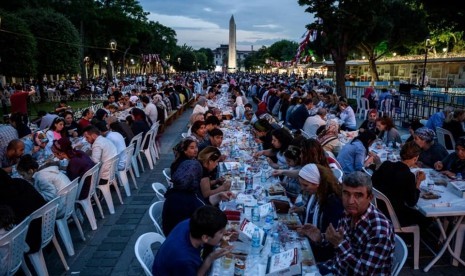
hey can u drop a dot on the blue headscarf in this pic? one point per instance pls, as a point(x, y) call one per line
point(187, 176)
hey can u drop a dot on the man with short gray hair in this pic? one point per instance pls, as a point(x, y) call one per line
point(364, 238)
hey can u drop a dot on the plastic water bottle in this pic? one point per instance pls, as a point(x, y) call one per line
point(249, 180)
point(263, 177)
point(268, 224)
point(275, 245)
point(458, 176)
point(255, 214)
point(255, 250)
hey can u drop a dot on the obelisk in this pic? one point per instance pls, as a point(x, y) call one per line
point(232, 46)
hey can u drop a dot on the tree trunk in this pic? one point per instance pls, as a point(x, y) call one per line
point(340, 67)
point(374, 71)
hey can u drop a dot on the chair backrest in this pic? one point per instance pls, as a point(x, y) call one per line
point(392, 214)
point(137, 140)
point(47, 214)
point(442, 133)
point(93, 173)
point(155, 213)
point(305, 134)
point(184, 134)
point(167, 174)
point(143, 250)
point(400, 255)
point(386, 105)
point(148, 137)
point(15, 244)
point(365, 103)
point(129, 153)
point(160, 190)
point(68, 197)
point(113, 166)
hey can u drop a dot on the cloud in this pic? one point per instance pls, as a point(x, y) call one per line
point(207, 9)
point(200, 33)
point(179, 21)
point(269, 26)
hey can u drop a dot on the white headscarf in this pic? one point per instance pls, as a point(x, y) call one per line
point(310, 173)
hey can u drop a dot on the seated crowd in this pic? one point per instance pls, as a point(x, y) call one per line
point(299, 130)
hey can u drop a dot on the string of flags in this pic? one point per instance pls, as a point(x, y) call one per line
point(149, 58)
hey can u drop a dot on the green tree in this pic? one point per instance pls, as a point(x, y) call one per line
point(201, 58)
point(184, 60)
point(58, 42)
point(389, 30)
point(283, 50)
point(19, 47)
point(210, 65)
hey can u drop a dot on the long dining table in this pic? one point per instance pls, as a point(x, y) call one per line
point(296, 255)
point(446, 205)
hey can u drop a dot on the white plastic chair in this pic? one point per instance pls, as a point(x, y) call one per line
point(148, 151)
point(400, 255)
point(184, 134)
point(386, 108)
point(156, 149)
point(160, 190)
point(15, 244)
point(85, 203)
point(414, 229)
point(338, 174)
point(68, 195)
point(143, 250)
point(47, 214)
point(442, 133)
point(155, 213)
point(111, 181)
point(137, 140)
point(305, 134)
point(167, 174)
point(123, 174)
point(365, 107)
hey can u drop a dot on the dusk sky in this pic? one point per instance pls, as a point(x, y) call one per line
point(205, 23)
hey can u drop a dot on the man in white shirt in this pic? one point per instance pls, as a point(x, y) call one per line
point(150, 109)
point(118, 141)
point(312, 123)
point(102, 151)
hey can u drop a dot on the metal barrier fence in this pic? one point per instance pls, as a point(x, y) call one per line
point(416, 104)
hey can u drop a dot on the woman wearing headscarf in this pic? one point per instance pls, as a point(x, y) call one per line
point(201, 106)
point(186, 190)
point(329, 139)
point(324, 207)
point(431, 152)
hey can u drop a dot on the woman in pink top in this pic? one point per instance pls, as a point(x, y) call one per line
point(56, 132)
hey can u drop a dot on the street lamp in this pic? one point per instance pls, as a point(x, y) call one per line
point(427, 42)
point(113, 46)
point(86, 63)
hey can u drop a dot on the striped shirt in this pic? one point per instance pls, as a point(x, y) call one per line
point(367, 248)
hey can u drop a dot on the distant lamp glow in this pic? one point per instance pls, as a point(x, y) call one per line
point(444, 50)
point(394, 54)
point(363, 57)
point(113, 44)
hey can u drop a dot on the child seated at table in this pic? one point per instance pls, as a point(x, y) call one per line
point(291, 181)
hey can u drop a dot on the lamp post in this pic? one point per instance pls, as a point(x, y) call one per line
point(86, 64)
point(113, 46)
point(179, 62)
point(427, 41)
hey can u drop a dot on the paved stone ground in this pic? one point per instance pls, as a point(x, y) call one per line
point(110, 249)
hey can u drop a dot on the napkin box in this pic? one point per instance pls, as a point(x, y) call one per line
point(457, 188)
point(289, 267)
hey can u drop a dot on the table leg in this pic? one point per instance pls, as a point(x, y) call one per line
point(446, 243)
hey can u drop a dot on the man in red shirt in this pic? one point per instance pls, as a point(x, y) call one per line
point(87, 116)
point(19, 99)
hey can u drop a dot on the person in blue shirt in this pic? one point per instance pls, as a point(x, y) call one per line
point(180, 253)
point(437, 119)
point(353, 156)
